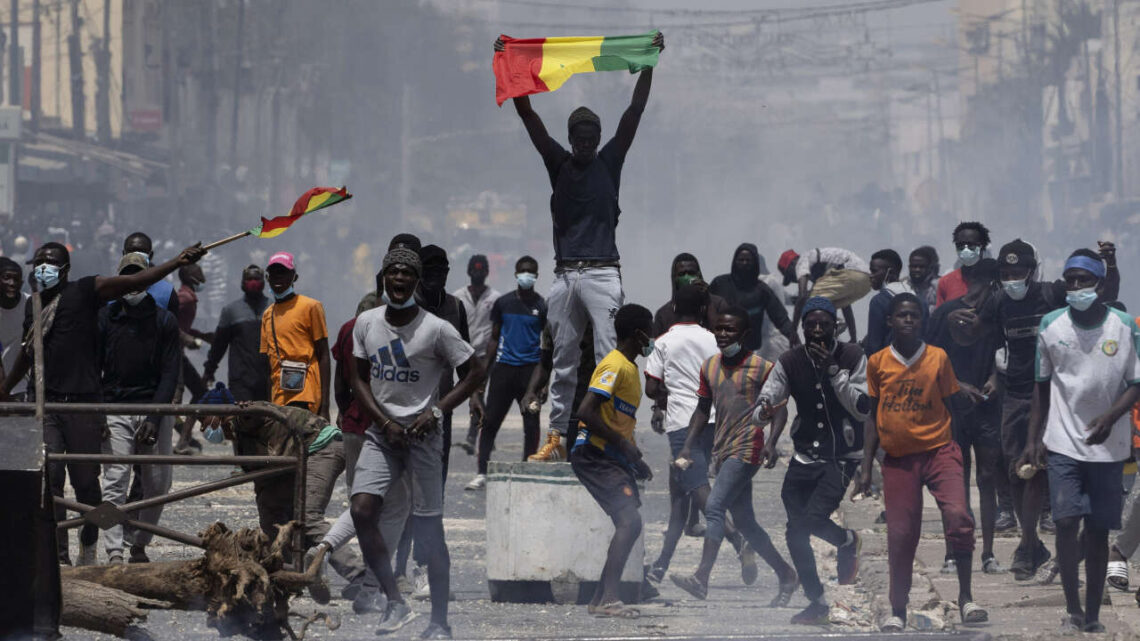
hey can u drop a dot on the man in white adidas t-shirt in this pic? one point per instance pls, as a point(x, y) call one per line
point(672, 376)
point(401, 351)
point(1088, 377)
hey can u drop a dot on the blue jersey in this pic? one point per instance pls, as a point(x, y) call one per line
point(520, 328)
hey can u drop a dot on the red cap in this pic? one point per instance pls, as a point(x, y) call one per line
point(786, 259)
point(285, 259)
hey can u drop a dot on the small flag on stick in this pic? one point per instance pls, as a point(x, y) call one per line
point(312, 200)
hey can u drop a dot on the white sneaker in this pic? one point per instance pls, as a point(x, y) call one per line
point(477, 483)
point(421, 590)
point(86, 554)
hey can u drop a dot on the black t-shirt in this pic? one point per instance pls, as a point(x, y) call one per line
point(584, 203)
point(1018, 322)
point(758, 301)
point(972, 364)
point(71, 346)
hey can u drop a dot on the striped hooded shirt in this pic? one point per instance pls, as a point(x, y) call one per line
point(735, 391)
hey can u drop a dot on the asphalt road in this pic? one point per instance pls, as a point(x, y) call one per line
point(731, 611)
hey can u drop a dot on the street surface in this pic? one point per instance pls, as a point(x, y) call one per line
point(732, 610)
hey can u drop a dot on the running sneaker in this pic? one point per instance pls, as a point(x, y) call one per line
point(1022, 565)
point(748, 570)
point(369, 599)
point(815, 614)
point(396, 616)
point(949, 566)
point(436, 631)
point(1005, 522)
point(990, 565)
point(654, 574)
point(138, 554)
point(847, 559)
point(477, 483)
point(421, 589)
point(892, 624)
point(1045, 524)
point(1047, 573)
point(788, 587)
point(691, 584)
point(551, 451)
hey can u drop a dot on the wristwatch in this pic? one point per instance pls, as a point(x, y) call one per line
point(833, 369)
point(436, 413)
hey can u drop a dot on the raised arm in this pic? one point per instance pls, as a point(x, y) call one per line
point(627, 126)
point(534, 127)
point(112, 287)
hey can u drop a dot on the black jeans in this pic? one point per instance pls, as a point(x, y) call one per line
point(811, 493)
point(75, 434)
point(507, 386)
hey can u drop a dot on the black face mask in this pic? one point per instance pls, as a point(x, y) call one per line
point(743, 275)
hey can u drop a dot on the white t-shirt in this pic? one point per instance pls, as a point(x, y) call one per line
point(11, 337)
point(1088, 368)
point(478, 315)
point(832, 257)
point(676, 361)
point(408, 361)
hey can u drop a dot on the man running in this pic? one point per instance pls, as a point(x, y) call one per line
point(584, 208)
point(673, 372)
point(401, 353)
point(731, 382)
point(828, 380)
point(1087, 378)
point(513, 351)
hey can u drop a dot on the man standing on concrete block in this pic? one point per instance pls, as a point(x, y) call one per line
point(584, 207)
point(606, 459)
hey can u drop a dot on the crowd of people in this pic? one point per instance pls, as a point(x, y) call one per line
point(1028, 381)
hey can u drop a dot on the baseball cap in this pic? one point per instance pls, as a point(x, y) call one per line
point(786, 259)
point(1018, 252)
point(285, 259)
point(133, 259)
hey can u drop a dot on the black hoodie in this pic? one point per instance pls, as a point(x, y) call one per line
point(665, 318)
point(744, 288)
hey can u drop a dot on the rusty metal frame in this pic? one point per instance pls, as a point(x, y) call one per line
point(275, 465)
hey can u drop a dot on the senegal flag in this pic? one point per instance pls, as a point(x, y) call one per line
point(312, 200)
point(535, 65)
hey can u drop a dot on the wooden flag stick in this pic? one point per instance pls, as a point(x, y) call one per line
point(229, 239)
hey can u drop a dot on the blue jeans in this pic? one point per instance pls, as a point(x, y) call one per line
point(732, 491)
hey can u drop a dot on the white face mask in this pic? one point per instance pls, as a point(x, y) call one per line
point(1016, 289)
point(731, 350)
point(134, 298)
point(969, 255)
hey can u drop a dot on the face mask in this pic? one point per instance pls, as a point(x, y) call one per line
point(1015, 289)
point(411, 302)
point(526, 280)
point(47, 275)
point(253, 285)
point(133, 298)
point(214, 434)
point(1081, 299)
point(730, 351)
point(144, 257)
point(283, 295)
point(685, 279)
point(969, 255)
point(648, 349)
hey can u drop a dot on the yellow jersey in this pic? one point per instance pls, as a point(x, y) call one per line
point(616, 378)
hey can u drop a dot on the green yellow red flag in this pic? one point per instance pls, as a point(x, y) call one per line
point(312, 200)
point(535, 65)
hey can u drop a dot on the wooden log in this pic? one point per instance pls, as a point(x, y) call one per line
point(92, 606)
point(182, 584)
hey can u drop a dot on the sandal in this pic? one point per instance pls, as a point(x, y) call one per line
point(614, 610)
point(893, 624)
point(973, 613)
point(787, 590)
point(1117, 575)
point(691, 585)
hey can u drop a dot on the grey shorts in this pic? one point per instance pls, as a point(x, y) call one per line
point(380, 467)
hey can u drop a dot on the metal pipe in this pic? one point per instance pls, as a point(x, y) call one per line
point(198, 490)
point(188, 539)
point(136, 409)
point(173, 459)
point(299, 482)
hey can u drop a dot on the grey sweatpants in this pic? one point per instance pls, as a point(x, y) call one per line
point(591, 295)
point(155, 479)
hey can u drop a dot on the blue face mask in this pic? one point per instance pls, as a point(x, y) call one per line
point(969, 255)
point(196, 287)
point(526, 280)
point(1015, 289)
point(47, 275)
point(1081, 299)
point(648, 349)
point(730, 351)
point(214, 434)
point(283, 295)
point(411, 302)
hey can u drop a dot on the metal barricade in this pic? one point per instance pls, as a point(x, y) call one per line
point(107, 515)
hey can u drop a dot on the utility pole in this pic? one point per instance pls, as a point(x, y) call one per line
point(15, 67)
point(103, 82)
point(36, 65)
point(237, 85)
point(1118, 137)
point(929, 136)
point(75, 64)
point(210, 86)
point(59, 60)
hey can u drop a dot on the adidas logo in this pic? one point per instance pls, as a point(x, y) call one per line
point(390, 363)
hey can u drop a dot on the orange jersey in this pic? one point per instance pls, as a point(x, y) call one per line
point(912, 417)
